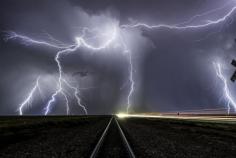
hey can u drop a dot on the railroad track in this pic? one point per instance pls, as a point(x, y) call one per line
point(112, 142)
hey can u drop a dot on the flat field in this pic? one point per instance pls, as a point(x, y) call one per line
point(76, 136)
point(180, 138)
point(53, 136)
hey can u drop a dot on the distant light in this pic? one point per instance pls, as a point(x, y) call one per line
point(122, 115)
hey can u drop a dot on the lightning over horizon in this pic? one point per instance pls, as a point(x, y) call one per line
point(29, 98)
point(76, 95)
point(66, 49)
point(182, 26)
point(118, 78)
point(227, 94)
point(98, 39)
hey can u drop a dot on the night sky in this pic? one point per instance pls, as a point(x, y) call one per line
point(173, 69)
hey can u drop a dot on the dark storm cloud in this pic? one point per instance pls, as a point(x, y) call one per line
point(163, 11)
point(178, 73)
point(21, 64)
point(174, 71)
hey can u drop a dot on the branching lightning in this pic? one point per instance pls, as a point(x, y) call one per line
point(60, 89)
point(29, 41)
point(64, 49)
point(227, 94)
point(182, 26)
point(83, 41)
point(76, 95)
point(177, 27)
point(204, 14)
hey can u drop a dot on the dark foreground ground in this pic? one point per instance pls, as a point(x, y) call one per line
point(65, 137)
point(170, 138)
point(53, 137)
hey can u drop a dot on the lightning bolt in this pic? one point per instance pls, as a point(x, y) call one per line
point(177, 27)
point(132, 83)
point(82, 41)
point(76, 95)
point(227, 94)
point(185, 26)
point(205, 14)
point(29, 41)
point(128, 52)
point(60, 79)
point(65, 49)
point(29, 98)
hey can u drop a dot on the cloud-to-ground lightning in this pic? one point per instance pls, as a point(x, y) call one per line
point(80, 42)
point(110, 37)
point(63, 49)
point(227, 94)
point(59, 89)
point(29, 98)
point(186, 26)
point(131, 79)
point(76, 95)
point(128, 52)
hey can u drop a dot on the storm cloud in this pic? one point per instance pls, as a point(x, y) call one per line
point(173, 69)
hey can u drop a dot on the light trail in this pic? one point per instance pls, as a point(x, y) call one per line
point(224, 119)
point(230, 100)
point(27, 101)
point(199, 111)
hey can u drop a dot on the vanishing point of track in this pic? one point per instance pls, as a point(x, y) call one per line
point(112, 142)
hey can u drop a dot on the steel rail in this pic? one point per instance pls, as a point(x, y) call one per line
point(99, 145)
point(100, 142)
point(129, 149)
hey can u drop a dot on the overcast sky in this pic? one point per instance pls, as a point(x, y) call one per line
point(173, 69)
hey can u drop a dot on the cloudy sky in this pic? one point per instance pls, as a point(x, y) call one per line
point(173, 69)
